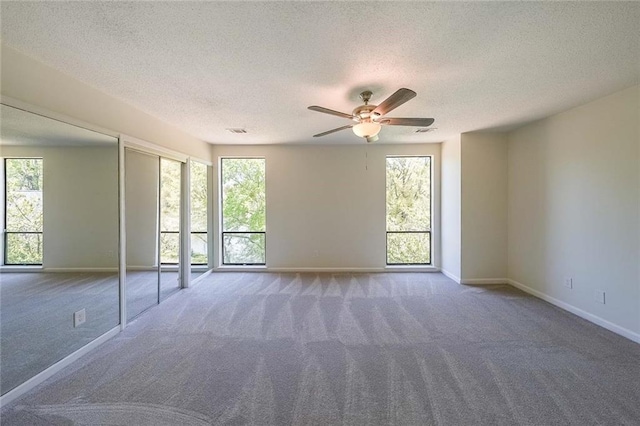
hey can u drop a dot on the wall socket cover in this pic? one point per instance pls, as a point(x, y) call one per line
point(568, 282)
point(600, 297)
point(79, 317)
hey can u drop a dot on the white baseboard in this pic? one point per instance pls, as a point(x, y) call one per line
point(294, 270)
point(11, 268)
point(105, 269)
point(624, 332)
point(354, 270)
point(450, 275)
point(142, 268)
point(55, 368)
point(17, 268)
point(321, 269)
point(199, 278)
point(261, 268)
point(484, 281)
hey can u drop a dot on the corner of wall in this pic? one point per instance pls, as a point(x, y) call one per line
point(484, 207)
point(450, 203)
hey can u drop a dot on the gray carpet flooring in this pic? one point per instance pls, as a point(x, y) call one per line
point(36, 318)
point(349, 349)
point(36, 314)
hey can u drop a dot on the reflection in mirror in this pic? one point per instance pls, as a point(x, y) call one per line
point(141, 218)
point(199, 219)
point(60, 247)
point(170, 184)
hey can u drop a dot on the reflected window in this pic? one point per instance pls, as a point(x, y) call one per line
point(409, 210)
point(23, 211)
point(199, 217)
point(170, 211)
point(243, 202)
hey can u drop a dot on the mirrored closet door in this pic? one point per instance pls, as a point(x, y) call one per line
point(142, 192)
point(170, 200)
point(59, 286)
point(153, 216)
point(200, 211)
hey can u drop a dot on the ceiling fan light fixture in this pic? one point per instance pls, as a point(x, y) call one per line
point(367, 130)
point(370, 118)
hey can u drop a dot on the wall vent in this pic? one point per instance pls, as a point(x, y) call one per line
point(426, 129)
point(237, 131)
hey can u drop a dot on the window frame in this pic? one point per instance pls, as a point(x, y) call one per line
point(6, 232)
point(222, 232)
point(429, 231)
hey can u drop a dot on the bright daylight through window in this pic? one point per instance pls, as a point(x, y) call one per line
point(199, 218)
point(242, 191)
point(23, 211)
point(409, 210)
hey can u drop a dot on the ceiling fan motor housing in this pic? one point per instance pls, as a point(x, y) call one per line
point(363, 113)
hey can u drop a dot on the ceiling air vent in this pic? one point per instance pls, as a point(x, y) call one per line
point(237, 131)
point(426, 129)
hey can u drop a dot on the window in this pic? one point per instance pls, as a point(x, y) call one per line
point(170, 211)
point(199, 218)
point(409, 210)
point(243, 206)
point(23, 211)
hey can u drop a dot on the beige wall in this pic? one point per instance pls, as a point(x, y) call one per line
point(574, 208)
point(326, 204)
point(451, 214)
point(484, 207)
point(31, 81)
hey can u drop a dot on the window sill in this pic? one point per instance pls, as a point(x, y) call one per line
point(242, 268)
point(412, 268)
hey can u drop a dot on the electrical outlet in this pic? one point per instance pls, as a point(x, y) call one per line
point(79, 317)
point(600, 297)
point(568, 282)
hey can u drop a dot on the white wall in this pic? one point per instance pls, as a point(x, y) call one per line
point(326, 204)
point(484, 207)
point(31, 81)
point(451, 208)
point(574, 208)
point(80, 204)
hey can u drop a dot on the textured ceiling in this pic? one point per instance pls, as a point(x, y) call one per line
point(208, 66)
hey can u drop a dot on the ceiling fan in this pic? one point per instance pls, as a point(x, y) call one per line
point(369, 118)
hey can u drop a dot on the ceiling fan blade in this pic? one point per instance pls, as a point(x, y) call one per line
point(333, 131)
point(330, 111)
point(394, 101)
point(416, 122)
